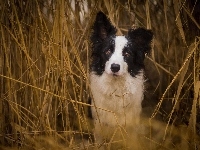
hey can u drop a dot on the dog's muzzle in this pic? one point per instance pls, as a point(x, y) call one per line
point(115, 68)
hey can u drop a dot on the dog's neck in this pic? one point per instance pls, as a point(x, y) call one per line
point(107, 84)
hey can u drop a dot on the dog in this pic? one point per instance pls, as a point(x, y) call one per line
point(117, 78)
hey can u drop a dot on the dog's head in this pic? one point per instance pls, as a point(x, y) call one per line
point(118, 55)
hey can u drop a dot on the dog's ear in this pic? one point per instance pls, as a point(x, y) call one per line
point(141, 39)
point(102, 27)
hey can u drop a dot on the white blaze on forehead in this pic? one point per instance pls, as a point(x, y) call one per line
point(117, 57)
point(120, 43)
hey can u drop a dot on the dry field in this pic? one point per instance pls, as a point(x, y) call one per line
point(44, 66)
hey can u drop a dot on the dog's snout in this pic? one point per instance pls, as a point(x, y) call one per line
point(115, 68)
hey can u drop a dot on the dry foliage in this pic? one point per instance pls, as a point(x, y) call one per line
point(44, 64)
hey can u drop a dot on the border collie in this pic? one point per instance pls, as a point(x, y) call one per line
point(116, 77)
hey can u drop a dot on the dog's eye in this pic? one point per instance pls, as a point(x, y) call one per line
point(126, 54)
point(108, 52)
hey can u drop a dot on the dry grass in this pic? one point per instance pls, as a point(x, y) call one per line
point(44, 57)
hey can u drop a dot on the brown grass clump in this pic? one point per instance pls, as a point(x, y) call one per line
point(44, 64)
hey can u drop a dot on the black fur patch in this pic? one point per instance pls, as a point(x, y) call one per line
point(102, 40)
point(139, 44)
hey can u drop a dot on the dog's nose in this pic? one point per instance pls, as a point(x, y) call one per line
point(115, 68)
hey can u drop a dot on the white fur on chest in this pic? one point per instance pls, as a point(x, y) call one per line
point(122, 95)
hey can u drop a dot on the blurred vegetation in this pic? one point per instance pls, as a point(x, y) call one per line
point(44, 67)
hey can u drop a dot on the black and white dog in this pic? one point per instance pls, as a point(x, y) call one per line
point(116, 75)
